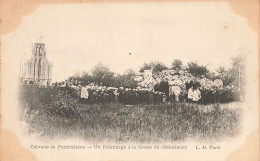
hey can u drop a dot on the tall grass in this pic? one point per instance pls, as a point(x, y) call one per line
point(61, 115)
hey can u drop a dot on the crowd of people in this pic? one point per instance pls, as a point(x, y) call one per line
point(192, 91)
point(93, 93)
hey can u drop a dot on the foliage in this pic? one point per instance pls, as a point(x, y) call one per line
point(237, 71)
point(156, 66)
point(101, 75)
point(222, 95)
point(139, 123)
point(176, 64)
point(125, 80)
point(64, 102)
point(86, 78)
point(197, 70)
point(234, 75)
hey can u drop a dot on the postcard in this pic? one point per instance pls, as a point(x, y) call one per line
point(129, 80)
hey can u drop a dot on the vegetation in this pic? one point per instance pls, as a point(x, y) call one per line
point(101, 75)
point(57, 113)
point(156, 66)
point(197, 70)
point(176, 64)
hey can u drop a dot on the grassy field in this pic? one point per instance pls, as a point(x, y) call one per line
point(63, 116)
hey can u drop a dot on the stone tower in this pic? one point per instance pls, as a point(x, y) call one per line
point(37, 70)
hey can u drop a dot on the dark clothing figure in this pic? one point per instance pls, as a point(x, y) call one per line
point(127, 98)
point(151, 98)
point(163, 87)
point(116, 99)
point(122, 97)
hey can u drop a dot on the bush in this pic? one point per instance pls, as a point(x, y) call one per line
point(64, 116)
point(222, 95)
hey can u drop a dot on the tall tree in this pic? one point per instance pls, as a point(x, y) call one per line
point(86, 78)
point(176, 64)
point(129, 79)
point(224, 75)
point(197, 70)
point(102, 75)
point(237, 71)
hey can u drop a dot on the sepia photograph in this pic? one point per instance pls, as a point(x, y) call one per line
point(131, 81)
point(156, 103)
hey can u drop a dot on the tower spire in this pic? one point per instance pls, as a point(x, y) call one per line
point(38, 67)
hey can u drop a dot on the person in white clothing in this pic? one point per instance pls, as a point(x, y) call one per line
point(190, 94)
point(176, 91)
point(84, 94)
point(196, 95)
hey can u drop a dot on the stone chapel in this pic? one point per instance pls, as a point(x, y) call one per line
point(37, 70)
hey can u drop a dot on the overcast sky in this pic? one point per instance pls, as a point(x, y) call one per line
point(79, 36)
